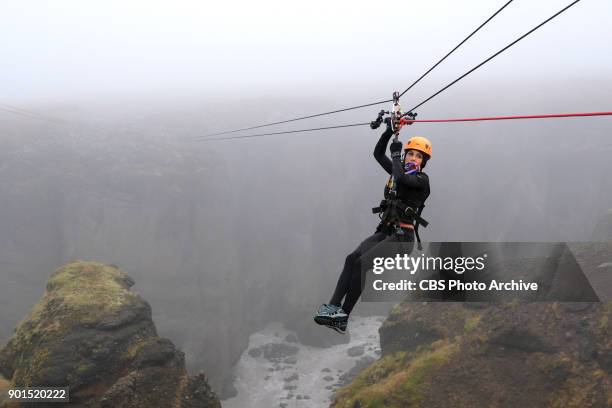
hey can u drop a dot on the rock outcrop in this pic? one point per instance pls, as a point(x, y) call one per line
point(91, 333)
point(479, 355)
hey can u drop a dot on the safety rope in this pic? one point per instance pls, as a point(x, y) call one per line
point(545, 116)
point(406, 121)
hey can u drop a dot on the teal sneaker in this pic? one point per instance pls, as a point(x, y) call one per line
point(333, 317)
point(339, 326)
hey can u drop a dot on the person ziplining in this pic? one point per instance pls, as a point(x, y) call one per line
point(404, 199)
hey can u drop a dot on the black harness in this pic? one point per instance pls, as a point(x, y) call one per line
point(394, 210)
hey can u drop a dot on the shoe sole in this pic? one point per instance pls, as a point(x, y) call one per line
point(329, 322)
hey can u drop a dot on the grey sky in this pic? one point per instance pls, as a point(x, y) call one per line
point(66, 50)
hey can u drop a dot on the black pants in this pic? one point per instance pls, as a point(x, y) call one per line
point(351, 280)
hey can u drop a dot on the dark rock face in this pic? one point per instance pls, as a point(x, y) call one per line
point(401, 333)
point(91, 333)
point(351, 374)
point(520, 339)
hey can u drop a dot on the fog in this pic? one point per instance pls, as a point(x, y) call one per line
point(59, 51)
point(104, 160)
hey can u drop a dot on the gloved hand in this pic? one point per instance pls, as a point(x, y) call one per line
point(396, 149)
point(388, 123)
point(393, 125)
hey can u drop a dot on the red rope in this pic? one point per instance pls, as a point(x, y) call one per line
point(554, 115)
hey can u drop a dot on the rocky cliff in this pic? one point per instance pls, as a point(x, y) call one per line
point(90, 332)
point(477, 355)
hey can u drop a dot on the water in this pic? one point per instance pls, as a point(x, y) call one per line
point(306, 379)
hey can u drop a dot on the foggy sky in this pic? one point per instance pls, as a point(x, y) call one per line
point(56, 52)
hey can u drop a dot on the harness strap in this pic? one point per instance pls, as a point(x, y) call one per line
point(416, 227)
point(390, 208)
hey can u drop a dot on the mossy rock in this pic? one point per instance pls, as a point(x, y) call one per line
point(91, 333)
point(505, 355)
point(414, 324)
point(398, 380)
point(4, 386)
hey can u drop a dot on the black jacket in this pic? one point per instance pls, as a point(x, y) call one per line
point(412, 189)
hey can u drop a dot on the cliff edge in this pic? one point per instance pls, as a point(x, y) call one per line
point(479, 355)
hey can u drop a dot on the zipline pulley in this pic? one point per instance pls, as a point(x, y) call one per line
point(396, 117)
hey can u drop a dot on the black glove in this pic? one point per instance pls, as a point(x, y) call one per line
point(391, 125)
point(396, 149)
point(388, 123)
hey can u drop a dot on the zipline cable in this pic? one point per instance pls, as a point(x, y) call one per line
point(296, 119)
point(31, 115)
point(495, 55)
point(282, 133)
point(50, 119)
point(454, 49)
point(545, 116)
point(369, 104)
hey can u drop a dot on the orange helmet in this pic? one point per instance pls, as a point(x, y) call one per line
point(419, 143)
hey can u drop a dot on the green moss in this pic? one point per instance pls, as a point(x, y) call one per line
point(577, 392)
point(513, 304)
point(471, 323)
point(398, 380)
point(4, 384)
point(381, 370)
point(78, 293)
point(395, 316)
point(396, 309)
point(604, 322)
point(90, 289)
point(560, 362)
point(446, 320)
point(134, 347)
point(421, 369)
